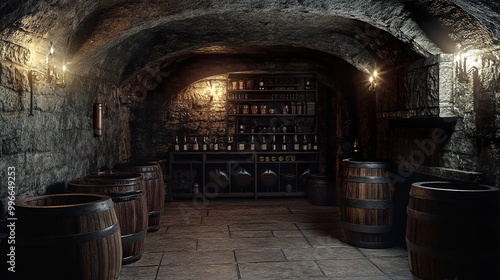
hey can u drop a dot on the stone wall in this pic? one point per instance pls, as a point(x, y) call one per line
point(426, 99)
point(475, 145)
point(55, 144)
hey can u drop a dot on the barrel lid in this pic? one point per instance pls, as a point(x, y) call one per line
point(69, 204)
point(365, 163)
point(115, 175)
point(455, 187)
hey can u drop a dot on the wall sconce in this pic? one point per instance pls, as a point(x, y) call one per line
point(97, 119)
point(373, 81)
point(212, 91)
point(461, 68)
point(53, 75)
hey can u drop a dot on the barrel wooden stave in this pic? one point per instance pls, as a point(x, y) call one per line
point(130, 205)
point(366, 203)
point(453, 231)
point(155, 189)
point(67, 236)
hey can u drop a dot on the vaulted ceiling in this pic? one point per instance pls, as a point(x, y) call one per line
point(121, 41)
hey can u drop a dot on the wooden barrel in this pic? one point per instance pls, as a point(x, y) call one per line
point(67, 236)
point(366, 206)
point(126, 190)
point(453, 231)
point(320, 190)
point(155, 189)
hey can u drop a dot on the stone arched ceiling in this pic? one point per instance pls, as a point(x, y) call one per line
point(122, 41)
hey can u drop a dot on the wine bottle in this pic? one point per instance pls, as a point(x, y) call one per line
point(196, 146)
point(176, 145)
point(315, 145)
point(274, 143)
point(216, 144)
point(263, 146)
point(229, 143)
point(309, 145)
point(283, 146)
point(304, 143)
point(296, 145)
point(185, 144)
point(204, 145)
point(252, 143)
point(308, 84)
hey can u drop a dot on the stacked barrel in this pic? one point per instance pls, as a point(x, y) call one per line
point(101, 222)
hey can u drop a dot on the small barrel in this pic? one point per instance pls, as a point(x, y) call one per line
point(366, 206)
point(126, 190)
point(67, 236)
point(453, 231)
point(152, 176)
point(320, 190)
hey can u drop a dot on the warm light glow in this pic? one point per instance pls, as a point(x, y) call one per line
point(51, 50)
point(64, 68)
point(375, 74)
point(371, 79)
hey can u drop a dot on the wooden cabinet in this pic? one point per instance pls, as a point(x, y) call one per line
point(271, 143)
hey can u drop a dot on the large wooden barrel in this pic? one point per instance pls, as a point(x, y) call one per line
point(453, 231)
point(67, 236)
point(126, 190)
point(155, 188)
point(366, 206)
point(320, 190)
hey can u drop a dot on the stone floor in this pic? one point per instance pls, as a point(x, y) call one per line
point(258, 239)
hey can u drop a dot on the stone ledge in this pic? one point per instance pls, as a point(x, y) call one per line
point(452, 174)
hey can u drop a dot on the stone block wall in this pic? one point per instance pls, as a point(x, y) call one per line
point(56, 144)
point(430, 92)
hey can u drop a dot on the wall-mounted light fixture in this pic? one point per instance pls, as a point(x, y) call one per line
point(461, 68)
point(54, 73)
point(97, 119)
point(373, 81)
point(212, 91)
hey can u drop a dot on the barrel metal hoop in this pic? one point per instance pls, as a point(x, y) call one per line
point(68, 211)
point(367, 228)
point(134, 237)
point(446, 254)
point(367, 203)
point(370, 165)
point(370, 245)
point(122, 197)
point(66, 240)
point(154, 213)
point(368, 179)
point(458, 219)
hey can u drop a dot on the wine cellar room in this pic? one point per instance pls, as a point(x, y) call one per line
point(250, 139)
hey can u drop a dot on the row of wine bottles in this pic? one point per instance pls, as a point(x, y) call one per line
point(263, 143)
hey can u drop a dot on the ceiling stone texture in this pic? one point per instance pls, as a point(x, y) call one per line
point(124, 41)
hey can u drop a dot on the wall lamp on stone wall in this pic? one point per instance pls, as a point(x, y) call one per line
point(51, 75)
point(54, 74)
point(461, 68)
point(373, 81)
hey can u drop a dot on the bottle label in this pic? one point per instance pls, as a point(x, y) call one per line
point(229, 148)
point(241, 146)
point(196, 147)
point(296, 146)
point(216, 147)
point(176, 147)
point(263, 146)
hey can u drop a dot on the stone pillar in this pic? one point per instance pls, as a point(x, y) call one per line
point(445, 84)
